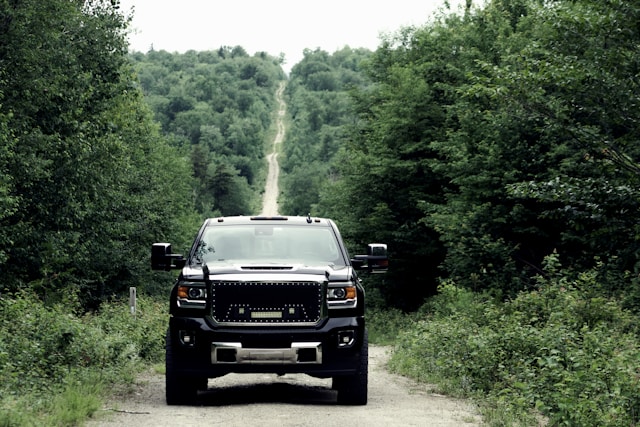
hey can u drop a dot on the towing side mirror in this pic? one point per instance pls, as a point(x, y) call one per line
point(163, 259)
point(375, 261)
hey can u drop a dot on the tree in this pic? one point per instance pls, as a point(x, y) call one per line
point(578, 81)
point(319, 105)
point(491, 139)
point(217, 108)
point(8, 200)
point(89, 182)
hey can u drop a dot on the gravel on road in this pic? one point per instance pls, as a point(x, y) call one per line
point(290, 400)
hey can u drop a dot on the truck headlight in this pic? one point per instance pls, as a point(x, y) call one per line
point(192, 295)
point(339, 296)
point(196, 293)
point(342, 293)
point(337, 293)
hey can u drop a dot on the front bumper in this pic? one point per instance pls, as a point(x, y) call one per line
point(297, 353)
point(330, 349)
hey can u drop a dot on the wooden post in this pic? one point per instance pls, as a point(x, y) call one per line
point(132, 301)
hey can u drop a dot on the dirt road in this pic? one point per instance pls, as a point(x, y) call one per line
point(292, 400)
point(270, 197)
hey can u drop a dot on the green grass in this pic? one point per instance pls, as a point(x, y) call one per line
point(384, 325)
point(57, 366)
point(76, 403)
point(560, 353)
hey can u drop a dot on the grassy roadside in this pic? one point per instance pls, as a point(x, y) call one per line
point(559, 355)
point(57, 366)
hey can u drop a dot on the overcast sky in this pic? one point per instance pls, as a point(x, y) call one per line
point(272, 26)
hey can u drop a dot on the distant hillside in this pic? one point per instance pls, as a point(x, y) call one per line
point(216, 108)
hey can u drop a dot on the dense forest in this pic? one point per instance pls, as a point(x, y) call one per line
point(105, 152)
point(494, 149)
point(86, 178)
point(480, 144)
point(216, 109)
point(457, 143)
point(320, 110)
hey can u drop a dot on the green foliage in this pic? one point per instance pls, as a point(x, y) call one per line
point(485, 141)
point(563, 351)
point(57, 365)
point(87, 183)
point(76, 403)
point(328, 171)
point(385, 175)
point(216, 108)
point(8, 200)
point(320, 110)
point(385, 325)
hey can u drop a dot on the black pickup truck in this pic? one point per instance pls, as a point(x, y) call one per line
point(267, 295)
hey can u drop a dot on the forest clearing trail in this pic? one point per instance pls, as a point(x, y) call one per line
point(271, 189)
point(289, 400)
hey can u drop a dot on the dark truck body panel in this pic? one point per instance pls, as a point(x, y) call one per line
point(335, 361)
point(267, 295)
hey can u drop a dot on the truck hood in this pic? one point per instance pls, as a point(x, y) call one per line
point(268, 271)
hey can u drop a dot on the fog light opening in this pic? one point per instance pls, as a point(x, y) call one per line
point(226, 355)
point(307, 355)
point(188, 338)
point(346, 338)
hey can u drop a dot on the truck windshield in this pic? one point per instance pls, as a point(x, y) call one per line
point(262, 243)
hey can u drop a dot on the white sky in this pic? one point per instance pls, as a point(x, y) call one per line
point(272, 26)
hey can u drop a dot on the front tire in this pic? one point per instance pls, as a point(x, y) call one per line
point(179, 390)
point(353, 389)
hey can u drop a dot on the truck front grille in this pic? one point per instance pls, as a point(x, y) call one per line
point(266, 303)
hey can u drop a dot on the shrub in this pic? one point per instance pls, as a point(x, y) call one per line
point(47, 350)
point(384, 325)
point(561, 350)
